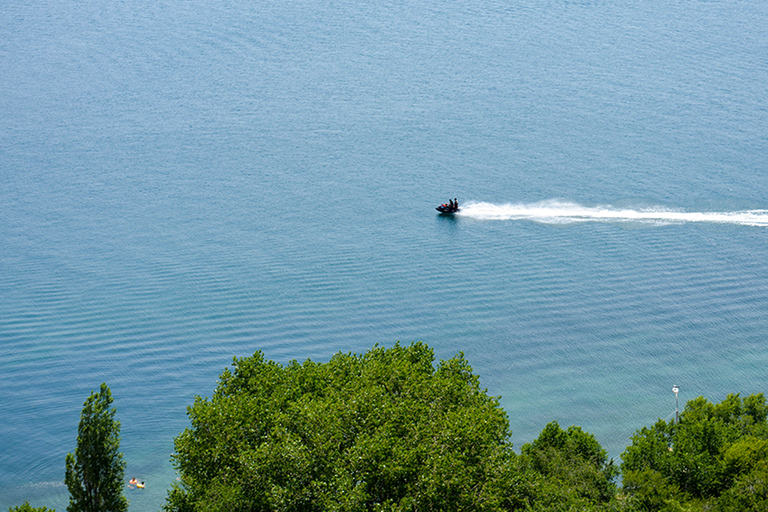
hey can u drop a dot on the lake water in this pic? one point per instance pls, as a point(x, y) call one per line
point(184, 182)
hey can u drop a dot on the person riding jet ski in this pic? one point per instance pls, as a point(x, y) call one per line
point(451, 207)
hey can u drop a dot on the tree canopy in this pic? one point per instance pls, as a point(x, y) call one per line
point(717, 454)
point(26, 507)
point(574, 467)
point(390, 430)
point(95, 473)
point(386, 430)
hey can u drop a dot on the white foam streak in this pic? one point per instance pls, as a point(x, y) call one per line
point(556, 212)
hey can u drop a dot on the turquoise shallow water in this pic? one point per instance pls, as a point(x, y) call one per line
point(181, 183)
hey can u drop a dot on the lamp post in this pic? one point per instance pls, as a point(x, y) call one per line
point(675, 389)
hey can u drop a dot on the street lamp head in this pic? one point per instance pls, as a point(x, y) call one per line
point(675, 389)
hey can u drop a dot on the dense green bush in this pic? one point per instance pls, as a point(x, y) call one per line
point(715, 457)
point(387, 430)
point(381, 431)
point(572, 467)
point(26, 507)
point(390, 431)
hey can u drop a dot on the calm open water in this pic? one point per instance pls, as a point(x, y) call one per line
point(184, 182)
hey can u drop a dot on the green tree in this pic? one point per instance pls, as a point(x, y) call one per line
point(26, 507)
point(576, 470)
point(95, 473)
point(713, 448)
point(749, 492)
point(386, 430)
point(649, 491)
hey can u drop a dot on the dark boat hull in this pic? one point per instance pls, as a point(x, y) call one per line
point(446, 209)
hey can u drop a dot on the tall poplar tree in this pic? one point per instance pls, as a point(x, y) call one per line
point(96, 471)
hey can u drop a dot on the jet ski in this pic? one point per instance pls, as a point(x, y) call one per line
point(448, 208)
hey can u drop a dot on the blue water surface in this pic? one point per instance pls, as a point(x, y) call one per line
point(184, 182)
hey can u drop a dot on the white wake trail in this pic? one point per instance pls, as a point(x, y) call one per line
point(557, 212)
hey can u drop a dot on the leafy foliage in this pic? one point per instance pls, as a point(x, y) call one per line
point(716, 450)
point(382, 431)
point(26, 507)
point(389, 431)
point(574, 467)
point(748, 493)
point(95, 473)
point(649, 490)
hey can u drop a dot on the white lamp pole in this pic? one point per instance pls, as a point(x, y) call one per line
point(675, 389)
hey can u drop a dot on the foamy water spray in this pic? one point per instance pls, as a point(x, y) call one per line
point(558, 212)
